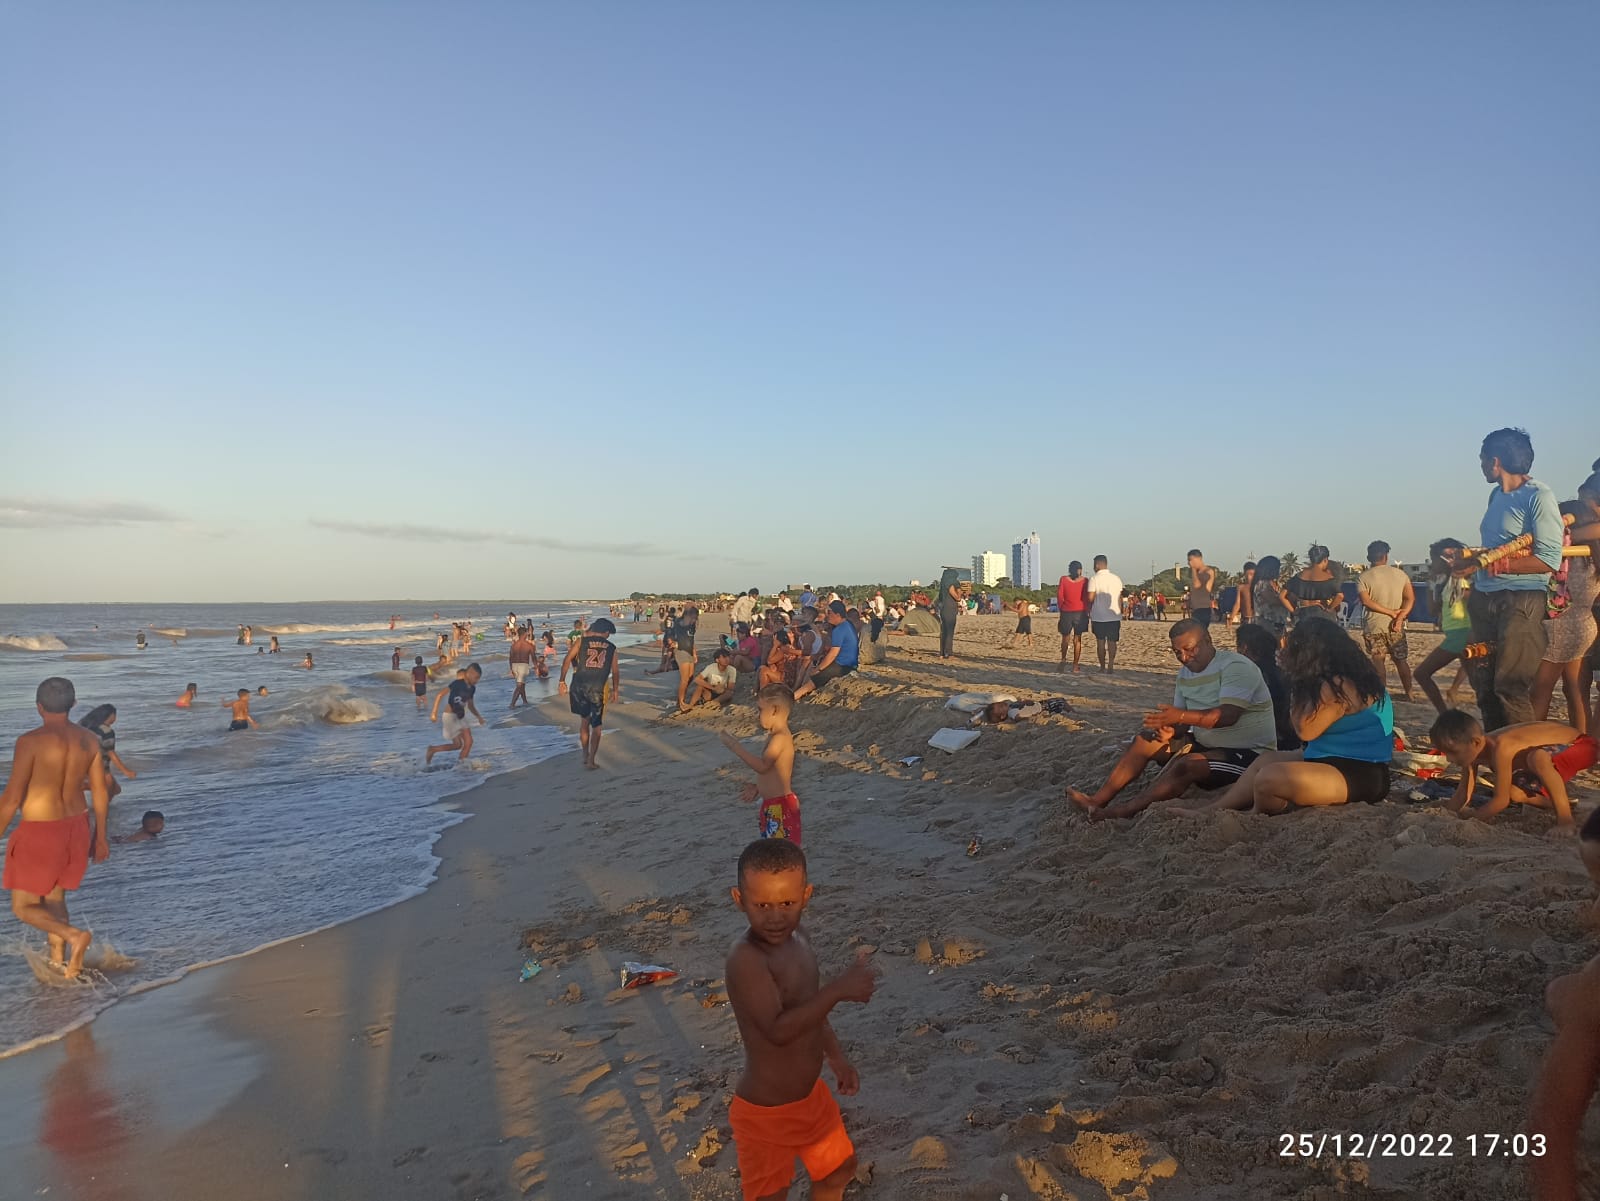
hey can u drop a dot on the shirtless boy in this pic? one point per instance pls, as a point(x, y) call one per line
point(591, 659)
point(781, 1109)
point(50, 850)
point(241, 712)
point(523, 653)
point(150, 827)
point(1531, 761)
point(779, 816)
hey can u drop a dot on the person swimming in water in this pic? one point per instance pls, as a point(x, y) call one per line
point(187, 699)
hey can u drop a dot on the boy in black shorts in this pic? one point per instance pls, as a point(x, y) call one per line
point(595, 657)
point(419, 682)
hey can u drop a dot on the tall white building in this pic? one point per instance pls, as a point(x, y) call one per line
point(1027, 566)
point(987, 569)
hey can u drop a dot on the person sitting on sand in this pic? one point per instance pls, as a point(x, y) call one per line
point(781, 1109)
point(1565, 1086)
point(241, 712)
point(1344, 715)
point(187, 699)
point(1261, 648)
point(786, 664)
point(843, 655)
point(1531, 762)
point(746, 650)
point(1219, 721)
point(779, 816)
point(715, 683)
point(150, 827)
point(50, 850)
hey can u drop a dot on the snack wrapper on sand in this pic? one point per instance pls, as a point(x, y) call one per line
point(637, 975)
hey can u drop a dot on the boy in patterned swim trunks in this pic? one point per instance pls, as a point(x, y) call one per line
point(779, 816)
point(594, 656)
point(1532, 763)
point(50, 849)
point(781, 1109)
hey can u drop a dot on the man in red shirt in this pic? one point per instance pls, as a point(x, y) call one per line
point(1072, 599)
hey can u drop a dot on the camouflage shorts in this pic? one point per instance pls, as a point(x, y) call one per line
point(1382, 641)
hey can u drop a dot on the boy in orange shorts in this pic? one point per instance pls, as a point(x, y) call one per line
point(780, 808)
point(781, 1110)
point(50, 849)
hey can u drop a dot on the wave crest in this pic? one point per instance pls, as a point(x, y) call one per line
point(334, 704)
point(31, 642)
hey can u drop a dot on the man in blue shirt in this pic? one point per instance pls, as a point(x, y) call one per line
point(841, 658)
point(1507, 605)
point(807, 597)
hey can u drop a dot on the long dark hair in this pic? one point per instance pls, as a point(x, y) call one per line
point(1318, 653)
point(93, 719)
point(1269, 568)
point(1260, 647)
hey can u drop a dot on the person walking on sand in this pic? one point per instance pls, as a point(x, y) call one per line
point(1388, 597)
point(591, 659)
point(49, 852)
point(1072, 602)
point(951, 606)
point(1105, 613)
point(1244, 597)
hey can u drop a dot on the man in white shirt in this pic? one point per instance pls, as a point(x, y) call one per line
point(1219, 721)
point(715, 683)
point(743, 610)
point(1105, 613)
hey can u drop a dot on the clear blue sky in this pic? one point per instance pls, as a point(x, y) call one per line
point(303, 301)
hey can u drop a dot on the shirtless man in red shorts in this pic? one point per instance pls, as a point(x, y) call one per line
point(50, 850)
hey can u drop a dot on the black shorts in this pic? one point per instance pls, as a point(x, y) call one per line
point(1024, 625)
point(1107, 631)
point(831, 672)
point(1203, 616)
point(238, 725)
point(420, 689)
point(1073, 622)
point(1227, 763)
point(588, 703)
point(1364, 780)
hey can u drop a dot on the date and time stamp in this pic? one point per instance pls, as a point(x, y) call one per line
point(1345, 1145)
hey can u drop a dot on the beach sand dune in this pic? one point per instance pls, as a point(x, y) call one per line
point(1134, 1010)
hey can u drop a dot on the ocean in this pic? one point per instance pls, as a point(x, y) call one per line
point(324, 813)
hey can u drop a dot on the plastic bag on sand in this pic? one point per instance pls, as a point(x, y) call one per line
point(953, 740)
point(637, 975)
point(972, 702)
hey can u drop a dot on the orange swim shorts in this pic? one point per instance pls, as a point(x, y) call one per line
point(769, 1138)
point(779, 817)
point(44, 856)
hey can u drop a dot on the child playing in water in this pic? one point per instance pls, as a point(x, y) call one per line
point(781, 1109)
point(241, 712)
point(187, 699)
point(1531, 761)
point(779, 816)
point(150, 826)
point(419, 682)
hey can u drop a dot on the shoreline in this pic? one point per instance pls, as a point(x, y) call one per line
point(1077, 1008)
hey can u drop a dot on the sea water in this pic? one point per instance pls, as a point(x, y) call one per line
point(324, 813)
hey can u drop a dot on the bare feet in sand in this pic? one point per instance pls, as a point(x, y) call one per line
point(590, 764)
point(1085, 802)
point(79, 942)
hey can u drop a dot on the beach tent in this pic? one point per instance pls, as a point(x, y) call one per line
point(921, 621)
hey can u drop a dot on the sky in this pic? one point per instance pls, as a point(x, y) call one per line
point(388, 299)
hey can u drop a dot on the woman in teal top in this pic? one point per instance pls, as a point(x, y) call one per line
point(1340, 708)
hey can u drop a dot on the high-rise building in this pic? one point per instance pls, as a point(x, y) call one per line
point(987, 569)
point(1027, 567)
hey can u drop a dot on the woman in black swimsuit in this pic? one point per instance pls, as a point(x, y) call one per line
point(1314, 591)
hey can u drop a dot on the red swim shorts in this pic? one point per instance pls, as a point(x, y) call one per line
point(1579, 756)
point(779, 817)
point(44, 856)
point(769, 1138)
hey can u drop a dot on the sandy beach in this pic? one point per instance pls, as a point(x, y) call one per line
point(1134, 1010)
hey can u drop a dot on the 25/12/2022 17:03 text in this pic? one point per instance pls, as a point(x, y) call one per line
point(1410, 1146)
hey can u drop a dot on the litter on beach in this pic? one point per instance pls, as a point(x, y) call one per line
point(637, 975)
point(953, 740)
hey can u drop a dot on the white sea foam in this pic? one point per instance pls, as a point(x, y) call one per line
point(299, 627)
point(333, 703)
point(31, 642)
